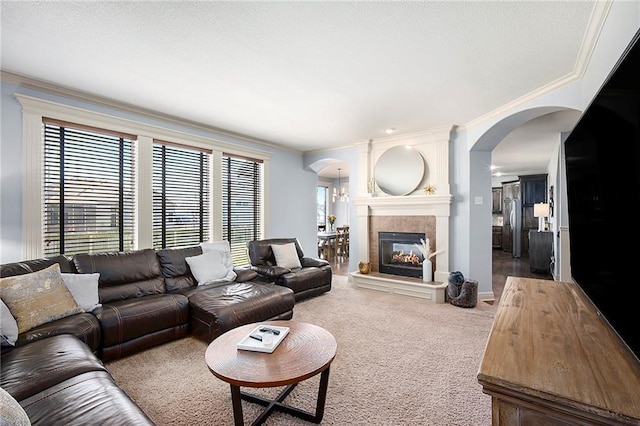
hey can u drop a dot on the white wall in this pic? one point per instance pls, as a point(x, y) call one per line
point(292, 200)
point(480, 246)
point(10, 176)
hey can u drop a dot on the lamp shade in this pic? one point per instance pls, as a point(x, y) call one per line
point(541, 210)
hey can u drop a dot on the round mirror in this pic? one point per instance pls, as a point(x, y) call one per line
point(399, 170)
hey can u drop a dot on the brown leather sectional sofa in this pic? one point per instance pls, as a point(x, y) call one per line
point(148, 297)
point(59, 381)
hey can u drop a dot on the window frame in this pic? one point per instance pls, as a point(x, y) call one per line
point(325, 204)
point(33, 111)
point(69, 146)
point(204, 156)
point(258, 220)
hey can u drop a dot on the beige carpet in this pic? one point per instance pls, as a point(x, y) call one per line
point(400, 361)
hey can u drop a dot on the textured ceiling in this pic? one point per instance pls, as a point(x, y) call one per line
point(303, 75)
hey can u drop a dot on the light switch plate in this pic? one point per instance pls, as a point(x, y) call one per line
point(478, 201)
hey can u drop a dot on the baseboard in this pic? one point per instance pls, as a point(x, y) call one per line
point(486, 296)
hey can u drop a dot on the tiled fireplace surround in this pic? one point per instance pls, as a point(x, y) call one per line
point(418, 211)
point(419, 224)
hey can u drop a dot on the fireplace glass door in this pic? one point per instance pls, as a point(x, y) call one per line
point(399, 253)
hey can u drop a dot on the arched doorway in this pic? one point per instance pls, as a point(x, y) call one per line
point(333, 212)
point(523, 145)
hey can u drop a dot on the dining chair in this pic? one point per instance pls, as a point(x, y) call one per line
point(342, 241)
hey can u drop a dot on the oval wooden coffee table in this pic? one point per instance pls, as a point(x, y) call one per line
point(305, 352)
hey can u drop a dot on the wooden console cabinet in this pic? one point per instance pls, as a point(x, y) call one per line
point(540, 251)
point(552, 360)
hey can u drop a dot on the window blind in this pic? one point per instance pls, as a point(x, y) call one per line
point(88, 189)
point(181, 185)
point(242, 208)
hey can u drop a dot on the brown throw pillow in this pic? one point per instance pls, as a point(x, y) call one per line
point(38, 298)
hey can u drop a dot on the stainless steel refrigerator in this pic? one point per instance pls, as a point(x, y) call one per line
point(512, 218)
point(515, 221)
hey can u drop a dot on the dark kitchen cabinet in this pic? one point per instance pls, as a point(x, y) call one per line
point(507, 238)
point(534, 189)
point(497, 200)
point(497, 236)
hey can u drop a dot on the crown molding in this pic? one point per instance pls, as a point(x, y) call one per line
point(47, 108)
point(596, 23)
point(59, 90)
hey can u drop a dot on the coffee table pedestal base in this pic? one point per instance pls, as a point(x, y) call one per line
point(276, 404)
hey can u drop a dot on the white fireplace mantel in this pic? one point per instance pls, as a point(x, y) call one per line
point(434, 148)
point(410, 205)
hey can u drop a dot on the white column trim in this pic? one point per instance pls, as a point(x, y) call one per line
point(216, 196)
point(32, 134)
point(144, 197)
point(265, 202)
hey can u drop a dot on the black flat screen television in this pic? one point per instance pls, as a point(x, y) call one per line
point(602, 159)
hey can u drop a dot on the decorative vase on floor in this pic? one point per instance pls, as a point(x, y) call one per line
point(364, 267)
point(426, 271)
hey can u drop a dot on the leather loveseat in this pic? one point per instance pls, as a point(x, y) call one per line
point(147, 297)
point(312, 278)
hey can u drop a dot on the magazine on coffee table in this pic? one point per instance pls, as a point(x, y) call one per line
point(263, 338)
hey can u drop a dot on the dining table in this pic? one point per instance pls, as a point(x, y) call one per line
point(330, 239)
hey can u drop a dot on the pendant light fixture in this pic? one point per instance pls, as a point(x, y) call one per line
point(340, 193)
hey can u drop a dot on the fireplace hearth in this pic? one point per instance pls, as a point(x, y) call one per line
point(399, 255)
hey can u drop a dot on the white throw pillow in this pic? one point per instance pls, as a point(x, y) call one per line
point(210, 267)
point(216, 245)
point(83, 288)
point(286, 255)
point(222, 246)
point(8, 326)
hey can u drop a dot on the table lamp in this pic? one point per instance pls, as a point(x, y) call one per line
point(541, 211)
